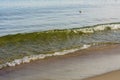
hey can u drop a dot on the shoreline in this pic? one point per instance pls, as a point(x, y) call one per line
point(28, 59)
point(23, 47)
point(59, 67)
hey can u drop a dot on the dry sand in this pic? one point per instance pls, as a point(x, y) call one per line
point(115, 75)
point(76, 66)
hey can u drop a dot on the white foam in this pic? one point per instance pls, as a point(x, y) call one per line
point(18, 61)
point(28, 59)
point(98, 28)
point(103, 27)
point(85, 46)
point(65, 52)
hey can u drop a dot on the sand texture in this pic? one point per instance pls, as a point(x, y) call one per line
point(74, 66)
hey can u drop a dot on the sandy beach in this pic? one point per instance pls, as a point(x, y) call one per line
point(74, 66)
point(59, 39)
point(115, 75)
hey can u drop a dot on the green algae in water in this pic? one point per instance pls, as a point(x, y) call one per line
point(47, 42)
point(20, 45)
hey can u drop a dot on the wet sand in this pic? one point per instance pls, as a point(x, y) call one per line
point(74, 66)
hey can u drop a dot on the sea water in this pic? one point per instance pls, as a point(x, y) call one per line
point(19, 16)
point(32, 29)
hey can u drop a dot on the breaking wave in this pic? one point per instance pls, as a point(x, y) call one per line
point(25, 47)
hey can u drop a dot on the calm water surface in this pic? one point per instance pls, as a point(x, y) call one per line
point(30, 16)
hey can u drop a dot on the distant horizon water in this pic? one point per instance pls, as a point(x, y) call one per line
point(45, 3)
point(20, 16)
point(27, 16)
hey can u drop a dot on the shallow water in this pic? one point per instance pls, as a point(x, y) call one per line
point(53, 14)
point(36, 20)
point(22, 48)
point(75, 67)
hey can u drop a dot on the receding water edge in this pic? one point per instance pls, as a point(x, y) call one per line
point(24, 47)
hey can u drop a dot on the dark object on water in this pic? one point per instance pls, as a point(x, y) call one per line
point(80, 11)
